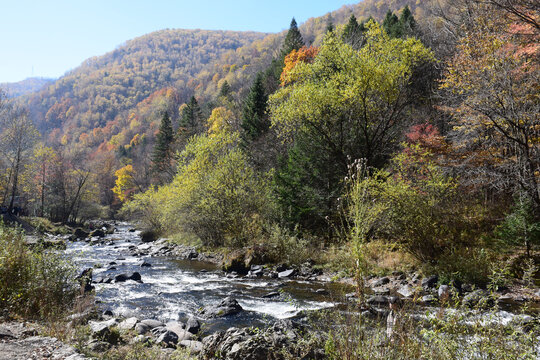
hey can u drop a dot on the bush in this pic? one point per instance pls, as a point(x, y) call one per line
point(34, 283)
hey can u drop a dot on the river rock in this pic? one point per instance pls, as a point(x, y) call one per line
point(5, 333)
point(101, 330)
point(98, 346)
point(179, 330)
point(286, 273)
point(152, 323)
point(144, 263)
point(378, 300)
point(406, 291)
point(168, 339)
point(142, 329)
point(226, 307)
point(381, 282)
point(444, 292)
point(148, 236)
point(128, 323)
point(97, 233)
point(270, 295)
point(252, 344)
point(195, 347)
point(430, 282)
point(80, 233)
point(193, 325)
point(428, 299)
point(477, 298)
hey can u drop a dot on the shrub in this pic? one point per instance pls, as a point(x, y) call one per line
point(34, 283)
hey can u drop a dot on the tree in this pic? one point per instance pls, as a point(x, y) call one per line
point(255, 120)
point(125, 183)
point(347, 104)
point(391, 25)
point(353, 33)
point(293, 40)
point(493, 84)
point(17, 138)
point(407, 22)
point(162, 155)
point(191, 119)
point(225, 89)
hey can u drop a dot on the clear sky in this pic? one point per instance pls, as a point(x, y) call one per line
point(49, 37)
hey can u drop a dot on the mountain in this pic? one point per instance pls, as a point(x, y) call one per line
point(165, 68)
point(25, 86)
point(103, 87)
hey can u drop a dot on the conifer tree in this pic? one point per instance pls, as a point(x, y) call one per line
point(392, 25)
point(406, 21)
point(191, 116)
point(293, 40)
point(353, 33)
point(225, 89)
point(255, 120)
point(162, 156)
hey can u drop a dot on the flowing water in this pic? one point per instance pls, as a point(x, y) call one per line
point(175, 289)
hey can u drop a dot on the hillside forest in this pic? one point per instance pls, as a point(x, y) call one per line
point(381, 135)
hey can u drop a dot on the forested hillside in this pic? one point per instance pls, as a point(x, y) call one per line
point(26, 86)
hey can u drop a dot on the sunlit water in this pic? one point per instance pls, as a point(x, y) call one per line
point(175, 289)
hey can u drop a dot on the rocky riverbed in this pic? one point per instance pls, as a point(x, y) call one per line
point(150, 291)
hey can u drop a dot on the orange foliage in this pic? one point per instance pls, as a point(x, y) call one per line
point(304, 55)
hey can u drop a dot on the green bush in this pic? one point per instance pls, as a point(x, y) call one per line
point(34, 283)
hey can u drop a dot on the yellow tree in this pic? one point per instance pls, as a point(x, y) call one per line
point(125, 183)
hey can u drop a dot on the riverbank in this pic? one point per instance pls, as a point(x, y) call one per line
point(156, 296)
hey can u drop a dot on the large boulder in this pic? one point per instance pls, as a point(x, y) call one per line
point(430, 282)
point(236, 263)
point(97, 233)
point(226, 307)
point(148, 236)
point(80, 233)
point(168, 339)
point(236, 344)
point(193, 325)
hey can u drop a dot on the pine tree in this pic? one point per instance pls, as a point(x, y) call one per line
point(255, 120)
point(225, 89)
point(191, 116)
point(407, 22)
point(353, 33)
point(162, 155)
point(392, 25)
point(293, 40)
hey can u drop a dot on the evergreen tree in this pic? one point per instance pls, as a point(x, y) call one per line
point(162, 156)
point(407, 22)
point(293, 40)
point(191, 116)
point(255, 121)
point(225, 89)
point(329, 23)
point(353, 33)
point(392, 25)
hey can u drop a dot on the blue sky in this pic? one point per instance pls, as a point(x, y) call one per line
point(49, 37)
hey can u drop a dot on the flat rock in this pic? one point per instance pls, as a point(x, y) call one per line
point(406, 291)
point(286, 273)
point(152, 323)
point(128, 323)
point(194, 346)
